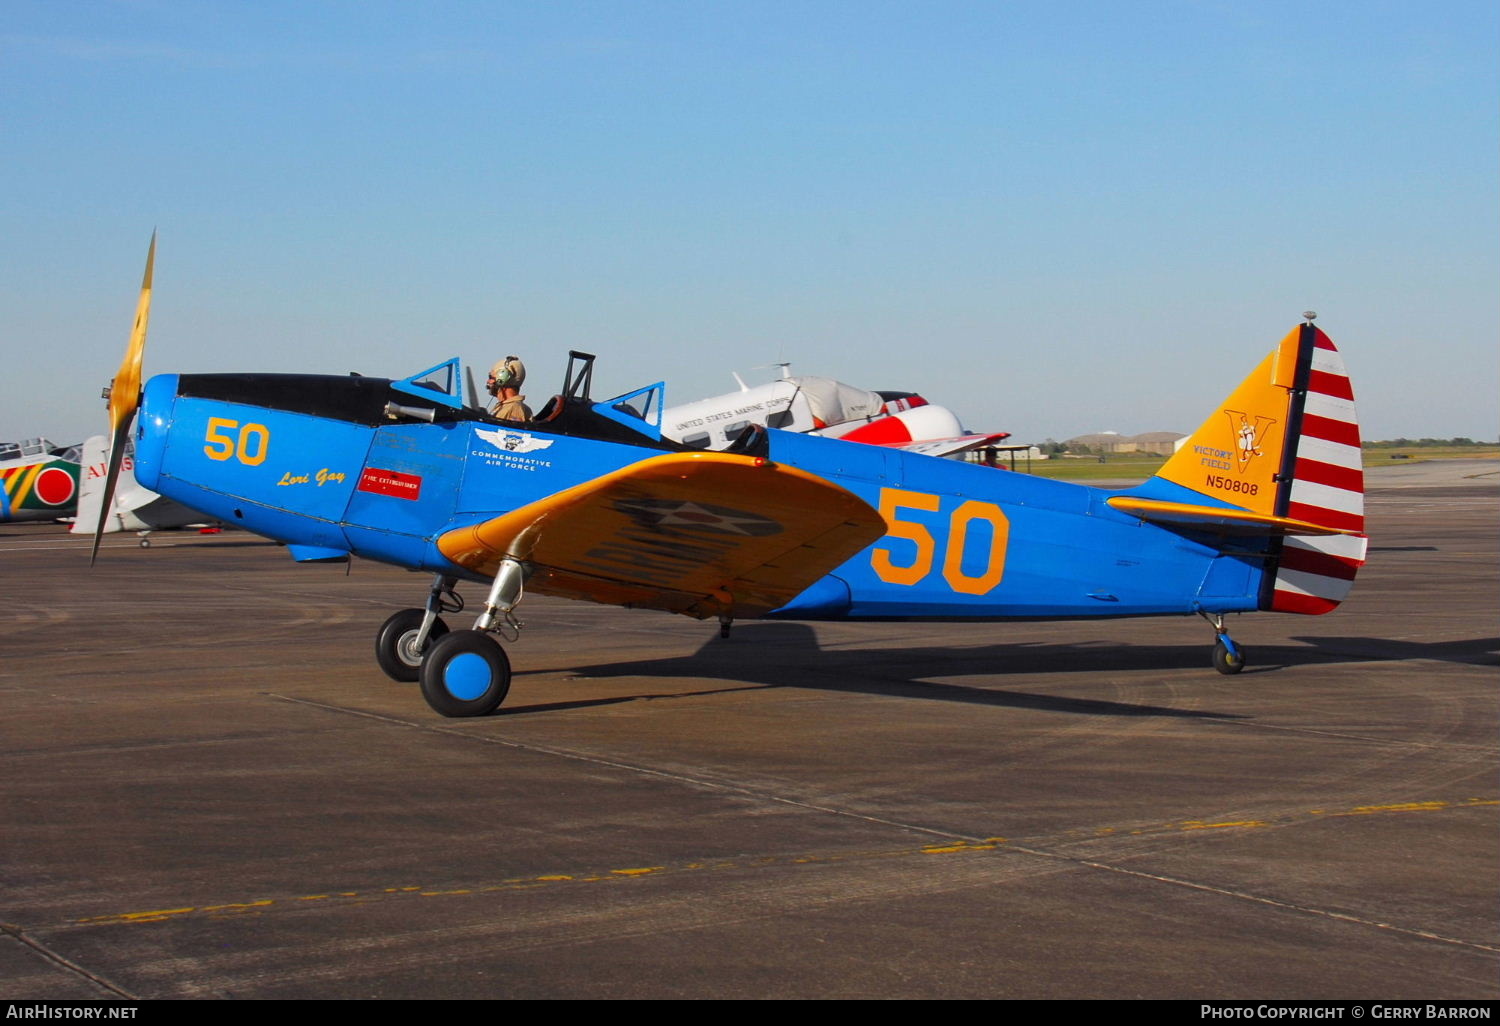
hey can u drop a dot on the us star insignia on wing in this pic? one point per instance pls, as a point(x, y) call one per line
point(699, 516)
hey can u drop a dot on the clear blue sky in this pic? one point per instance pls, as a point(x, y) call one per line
point(1053, 217)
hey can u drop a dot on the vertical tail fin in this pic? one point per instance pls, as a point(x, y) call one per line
point(95, 464)
point(1286, 444)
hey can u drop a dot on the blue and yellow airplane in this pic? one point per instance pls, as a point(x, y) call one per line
point(1262, 509)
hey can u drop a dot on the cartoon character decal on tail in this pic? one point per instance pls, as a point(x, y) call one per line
point(1250, 436)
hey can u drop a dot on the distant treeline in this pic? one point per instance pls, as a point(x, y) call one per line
point(1424, 443)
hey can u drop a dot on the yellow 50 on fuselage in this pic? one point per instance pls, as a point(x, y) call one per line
point(249, 445)
point(893, 500)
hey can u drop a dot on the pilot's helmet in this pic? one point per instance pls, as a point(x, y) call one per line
point(509, 372)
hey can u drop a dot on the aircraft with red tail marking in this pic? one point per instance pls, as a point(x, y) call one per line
point(1262, 509)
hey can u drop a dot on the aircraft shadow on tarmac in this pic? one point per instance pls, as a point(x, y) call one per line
point(788, 655)
point(1478, 651)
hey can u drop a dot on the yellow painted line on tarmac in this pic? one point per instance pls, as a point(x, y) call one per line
point(956, 847)
point(953, 849)
point(1365, 810)
point(1371, 810)
point(157, 915)
point(236, 906)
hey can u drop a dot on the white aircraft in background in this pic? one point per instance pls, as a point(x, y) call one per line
point(135, 507)
point(823, 406)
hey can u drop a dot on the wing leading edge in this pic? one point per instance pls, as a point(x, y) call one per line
point(699, 533)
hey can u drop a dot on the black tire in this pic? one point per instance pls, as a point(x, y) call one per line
point(1226, 662)
point(465, 673)
point(393, 644)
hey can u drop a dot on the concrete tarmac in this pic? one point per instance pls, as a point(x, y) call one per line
point(210, 790)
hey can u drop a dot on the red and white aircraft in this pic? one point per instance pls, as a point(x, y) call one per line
point(823, 406)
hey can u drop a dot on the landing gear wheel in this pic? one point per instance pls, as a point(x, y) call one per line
point(145, 543)
point(465, 673)
point(395, 644)
point(1228, 660)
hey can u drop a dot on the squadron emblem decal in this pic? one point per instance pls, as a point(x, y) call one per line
point(514, 441)
point(511, 450)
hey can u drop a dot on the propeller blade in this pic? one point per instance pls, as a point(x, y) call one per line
point(125, 392)
point(107, 503)
point(125, 397)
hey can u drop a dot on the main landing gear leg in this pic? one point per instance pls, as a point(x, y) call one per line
point(467, 673)
point(1229, 658)
point(725, 600)
point(403, 638)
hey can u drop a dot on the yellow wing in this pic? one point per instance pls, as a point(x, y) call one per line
point(700, 533)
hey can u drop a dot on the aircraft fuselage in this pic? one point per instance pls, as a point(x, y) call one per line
point(319, 463)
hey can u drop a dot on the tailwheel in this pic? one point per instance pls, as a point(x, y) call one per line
point(1229, 658)
point(399, 643)
point(465, 673)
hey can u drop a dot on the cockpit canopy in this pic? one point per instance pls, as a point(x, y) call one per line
point(436, 396)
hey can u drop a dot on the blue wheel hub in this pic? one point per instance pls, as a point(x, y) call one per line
point(467, 676)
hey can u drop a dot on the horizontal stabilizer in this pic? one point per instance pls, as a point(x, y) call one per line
point(1217, 519)
point(700, 533)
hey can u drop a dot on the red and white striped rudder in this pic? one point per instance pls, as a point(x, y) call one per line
point(1313, 574)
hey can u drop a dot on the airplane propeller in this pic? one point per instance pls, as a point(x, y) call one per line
point(124, 394)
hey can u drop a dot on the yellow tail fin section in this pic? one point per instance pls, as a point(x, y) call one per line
point(1284, 447)
point(1237, 453)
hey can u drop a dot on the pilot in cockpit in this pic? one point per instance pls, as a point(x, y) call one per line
point(505, 381)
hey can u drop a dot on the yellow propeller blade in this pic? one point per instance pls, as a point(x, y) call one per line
point(125, 393)
point(125, 397)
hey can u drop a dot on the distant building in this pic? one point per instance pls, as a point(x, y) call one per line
point(1013, 456)
point(1161, 443)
